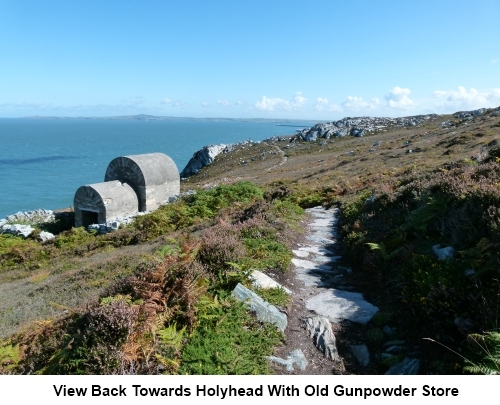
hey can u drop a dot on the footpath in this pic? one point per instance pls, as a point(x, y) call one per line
point(322, 304)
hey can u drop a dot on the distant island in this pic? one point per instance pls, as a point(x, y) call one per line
point(146, 117)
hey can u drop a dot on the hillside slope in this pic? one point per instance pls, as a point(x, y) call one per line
point(115, 304)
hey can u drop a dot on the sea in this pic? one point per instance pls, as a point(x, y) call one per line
point(44, 161)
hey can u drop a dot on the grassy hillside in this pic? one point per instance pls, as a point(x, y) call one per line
point(149, 298)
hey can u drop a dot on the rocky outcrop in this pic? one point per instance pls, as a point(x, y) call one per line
point(17, 230)
point(202, 158)
point(114, 225)
point(359, 126)
point(362, 354)
point(34, 217)
point(206, 155)
point(19, 224)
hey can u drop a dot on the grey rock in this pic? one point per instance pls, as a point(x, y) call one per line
point(264, 311)
point(93, 227)
point(341, 132)
point(175, 197)
point(409, 366)
point(45, 236)
point(294, 357)
point(395, 349)
point(262, 280)
point(399, 342)
point(300, 253)
point(320, 330)
point(32, 217)
point(337, 305)
point(18, 230)
point(312, 136)
point(370, 200)
point(443, 253)
point(361, 353)
point(202, 158)
point(316, 250)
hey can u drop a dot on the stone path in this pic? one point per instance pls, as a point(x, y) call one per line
point(315, 265)
point(322, 298)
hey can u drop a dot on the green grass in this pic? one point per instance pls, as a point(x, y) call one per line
point(275, 296)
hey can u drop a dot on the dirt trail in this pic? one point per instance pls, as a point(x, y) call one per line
point(283, 158)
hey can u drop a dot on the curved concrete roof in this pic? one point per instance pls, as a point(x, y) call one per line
point(109, 200)
point(143, 170)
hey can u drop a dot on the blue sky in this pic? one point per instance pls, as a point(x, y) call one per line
point(246, 59)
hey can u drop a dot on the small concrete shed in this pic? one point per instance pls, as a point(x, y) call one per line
point(153, 176)
point(98, 203)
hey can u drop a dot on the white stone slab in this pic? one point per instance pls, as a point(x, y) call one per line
point(317, 250)
point(300, 253)
point(337, 305)
point(320, 240)
point(308, 265)
point(262, 280)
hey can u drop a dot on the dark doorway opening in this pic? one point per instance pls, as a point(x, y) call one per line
point(89, 218)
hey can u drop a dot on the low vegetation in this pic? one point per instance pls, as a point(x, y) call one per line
point(167, 317)
point(154, 297)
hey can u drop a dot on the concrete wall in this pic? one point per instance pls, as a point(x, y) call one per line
point(104, 202)
point(153, 176)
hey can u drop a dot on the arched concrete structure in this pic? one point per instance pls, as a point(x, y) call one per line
point(102, 202)
point(153, 176)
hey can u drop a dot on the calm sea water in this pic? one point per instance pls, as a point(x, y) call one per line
point(44, 161)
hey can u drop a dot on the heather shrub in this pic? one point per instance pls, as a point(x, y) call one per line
point(195, 208)
point(390, 241)
point(90, 344)
point(107, 329)
point(220, 246)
